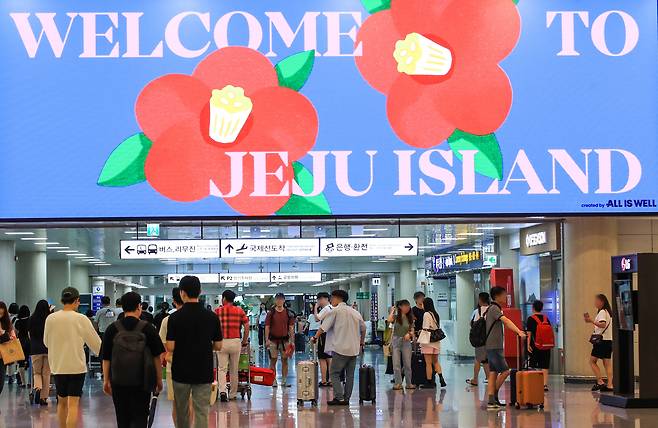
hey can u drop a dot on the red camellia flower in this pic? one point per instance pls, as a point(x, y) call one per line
point(437, 62)
point(232, 102)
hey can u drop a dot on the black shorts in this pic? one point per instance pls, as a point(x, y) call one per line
point(602, 350)
point(321, 342)
point(69, 385)
point(540, 358)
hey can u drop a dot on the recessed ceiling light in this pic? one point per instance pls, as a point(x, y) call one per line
point(75, 254)
point(34, 239)
point(103, 264)
point(361, 235)
point(46, 243)
point(80, 257)
point(470, 234)
point(57, 248)
point(67, 251)
point(19, 233)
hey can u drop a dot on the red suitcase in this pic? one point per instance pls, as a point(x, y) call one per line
point(261, 376)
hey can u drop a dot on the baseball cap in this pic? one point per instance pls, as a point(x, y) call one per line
point(70, 293)
point(279, 296)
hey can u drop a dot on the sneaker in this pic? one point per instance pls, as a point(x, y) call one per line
point(335, 402)
point(604, 388)
point(43, 402)
point(500, 403)
point(222, 397)
point(493, 406)
point(274, 385)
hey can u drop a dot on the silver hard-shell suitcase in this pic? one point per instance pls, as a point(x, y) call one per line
point(307, 381)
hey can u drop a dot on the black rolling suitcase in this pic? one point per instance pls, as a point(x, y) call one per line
point(418, 375)
point(367, 383)
point(300, 342)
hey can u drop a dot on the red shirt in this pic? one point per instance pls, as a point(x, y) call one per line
point(231, 318)
point(279, 323)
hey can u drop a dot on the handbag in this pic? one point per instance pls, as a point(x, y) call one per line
point(596, 339)
point(387, 350)
point(11, 351)
point(434, 335)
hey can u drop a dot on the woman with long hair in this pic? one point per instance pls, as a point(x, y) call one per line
point(39, 354)
point(431, 350)
point(403, 334)
point(601, 342)
point(21, 326)
point(6, 333)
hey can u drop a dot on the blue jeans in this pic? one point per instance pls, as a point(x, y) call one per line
point(401, 353)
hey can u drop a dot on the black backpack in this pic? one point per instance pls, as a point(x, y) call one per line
point(132, 363)
point(479, 334)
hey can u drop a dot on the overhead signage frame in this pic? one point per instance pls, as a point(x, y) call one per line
point(368, 247)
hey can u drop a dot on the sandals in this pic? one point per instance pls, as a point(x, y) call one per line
point(470, 382)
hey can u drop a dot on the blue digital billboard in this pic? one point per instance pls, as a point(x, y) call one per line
point(228, 108)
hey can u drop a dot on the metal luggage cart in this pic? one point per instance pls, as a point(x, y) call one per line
point(244, 372)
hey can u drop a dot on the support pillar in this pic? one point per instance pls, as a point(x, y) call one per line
point(8, 271)
point(465, 291)
point(80, 278)
point(588, 245)
point(58, 278)
point(407, 280)
point(31, 278)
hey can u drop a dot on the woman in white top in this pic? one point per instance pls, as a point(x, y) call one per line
point(603, 349)
point(431, 350)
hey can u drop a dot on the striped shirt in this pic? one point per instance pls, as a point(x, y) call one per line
point(231, 319)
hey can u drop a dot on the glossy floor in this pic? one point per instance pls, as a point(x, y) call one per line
point(456, 406)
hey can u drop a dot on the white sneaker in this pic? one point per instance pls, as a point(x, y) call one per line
point(274, 385)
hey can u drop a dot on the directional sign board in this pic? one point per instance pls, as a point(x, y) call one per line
point(296, 276)
point(205, 278)
point(267, 248)
point(244, 277)
point(170, 249)
point(364, 247)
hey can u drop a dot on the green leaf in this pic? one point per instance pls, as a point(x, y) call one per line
point(374, 6)
point(125, 166)
point(488, 160)
point(293, 71)
point(300, 205)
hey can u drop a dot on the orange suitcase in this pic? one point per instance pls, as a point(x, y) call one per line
point(529, 389)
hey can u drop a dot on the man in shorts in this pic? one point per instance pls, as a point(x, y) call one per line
point(322, 309)
point(65, 334)
point(498, 369)
point(279, 334)
point(481, 351)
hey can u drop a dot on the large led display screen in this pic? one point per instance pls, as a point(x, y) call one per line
point(227, 108)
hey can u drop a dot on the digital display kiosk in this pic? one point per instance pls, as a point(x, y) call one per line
point(634, 276)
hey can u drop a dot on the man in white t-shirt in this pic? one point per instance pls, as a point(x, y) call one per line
point(65, 334)
point(324, 345)
point(480, 352)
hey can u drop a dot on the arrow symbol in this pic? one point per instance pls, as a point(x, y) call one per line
point(229, 248)
point(129, 249)
point(409, 247)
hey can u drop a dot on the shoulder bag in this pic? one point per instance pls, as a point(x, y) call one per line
point(596, 339)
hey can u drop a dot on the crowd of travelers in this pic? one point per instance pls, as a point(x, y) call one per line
point(200, 349)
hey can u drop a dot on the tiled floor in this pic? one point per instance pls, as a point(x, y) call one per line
point(456, 406)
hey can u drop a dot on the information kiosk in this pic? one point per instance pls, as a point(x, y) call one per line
point(634, 293)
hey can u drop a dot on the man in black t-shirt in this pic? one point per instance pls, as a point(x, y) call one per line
point(146, 315)
point(418, 311)
point(192, 334)
point(131, 403)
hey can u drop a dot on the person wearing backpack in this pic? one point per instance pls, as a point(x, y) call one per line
point(540, 341)
point(477, 318)
point(279, 333)
point(106, 315)
point(131, 364)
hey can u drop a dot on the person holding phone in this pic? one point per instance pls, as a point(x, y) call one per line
point(601, 340)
